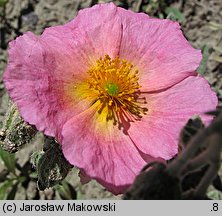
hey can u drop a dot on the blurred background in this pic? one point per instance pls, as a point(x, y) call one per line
point(201, 22)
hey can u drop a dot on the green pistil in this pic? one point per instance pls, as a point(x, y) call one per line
point(112, 89)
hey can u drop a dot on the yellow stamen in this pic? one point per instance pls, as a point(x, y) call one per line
point(115, 83)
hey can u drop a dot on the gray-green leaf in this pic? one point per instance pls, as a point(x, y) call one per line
point(4, 188)
point(203, 65)
point(8, 160)
point(174, 13)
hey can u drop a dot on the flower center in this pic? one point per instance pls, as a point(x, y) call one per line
point(115, 83)
point(112, 89)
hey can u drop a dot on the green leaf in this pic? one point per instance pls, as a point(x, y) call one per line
point(4, 188)
point(66, 191)
point(33, 175)
point(3, 175)
point(214, 194)
point(57, 166)
point(203, 65)
point(160, 15)
point(3, 3)
point(8, 160)
point(12, 193)
point(174, 14)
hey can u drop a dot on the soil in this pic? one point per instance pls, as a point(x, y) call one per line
point(202, 25)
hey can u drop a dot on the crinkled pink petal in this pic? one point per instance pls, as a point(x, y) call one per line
point(103, 151)
point(35, 82)
point(160, 52)
point(128, 16)
point(41, 70)
point(157, 134)
point(100, 25)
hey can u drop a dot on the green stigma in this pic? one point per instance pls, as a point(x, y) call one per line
point(112, 89)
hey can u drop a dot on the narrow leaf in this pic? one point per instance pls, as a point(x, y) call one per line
point(4, 188)
point(66, 191)
point(12, 193)
point(203, 65)
point(8, 160)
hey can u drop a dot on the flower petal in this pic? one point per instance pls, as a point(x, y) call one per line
point(35, 85)
point(160, 52)
point(157, 134)
point(101, 27)
point(49, 70)
point(103, 151)
point(128, 16)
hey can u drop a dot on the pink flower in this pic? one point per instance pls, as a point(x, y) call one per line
point(113, 86)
